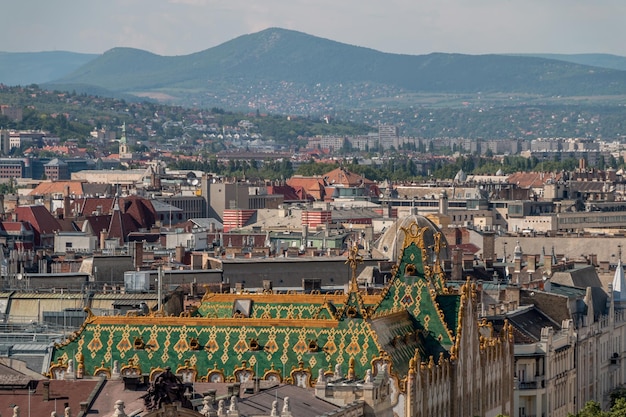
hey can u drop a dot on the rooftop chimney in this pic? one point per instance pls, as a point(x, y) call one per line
point(531, 263)
point(46, 390)
point(138, 258)
point(457, 265)
point(66, 206)
point(489, 245)
point(180, 254)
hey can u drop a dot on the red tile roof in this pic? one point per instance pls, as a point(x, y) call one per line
point(532, 179)
point(346, 178)
point(313, 186)
point(98, 223)
point(67, 225)
point(15, 226)
point(120, 226)
point(62, 392)
point(58, 187)
point(139, 209)
point(40, 218)
point(91, 206)
point(288, 192)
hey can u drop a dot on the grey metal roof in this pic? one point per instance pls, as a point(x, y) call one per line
point(127, 296)
point(531, 322)
point(160, 206)
point(206, 223)
point(49, 295)
point(303, 402)
point(30, 347)
point(566, 290)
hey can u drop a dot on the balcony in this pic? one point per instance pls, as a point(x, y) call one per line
point(536, 383)
point(527, 385)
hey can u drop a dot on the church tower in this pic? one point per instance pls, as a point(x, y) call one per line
point(123, 147)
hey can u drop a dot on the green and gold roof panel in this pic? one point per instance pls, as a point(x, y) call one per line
point(449, 305)
point(207, 343)
point(278, 306)
point(279, 331)
point(413, 289)
point(216, 309)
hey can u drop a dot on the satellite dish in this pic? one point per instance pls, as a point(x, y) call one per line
point(191, 177)
point(195, 182)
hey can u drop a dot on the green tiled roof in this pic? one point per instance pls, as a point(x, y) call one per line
point(449, 305)
point(417, 294)
point(412, 315)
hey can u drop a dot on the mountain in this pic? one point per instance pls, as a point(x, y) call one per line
point(593, 60)
point(25, 68)
point(286, 71)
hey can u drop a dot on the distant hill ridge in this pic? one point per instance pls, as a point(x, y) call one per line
point(593, 60)
point(24, 68)
point(278, 64)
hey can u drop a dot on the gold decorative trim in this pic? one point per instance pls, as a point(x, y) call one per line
point(205, 321)
point(57, 370)
point(414, 234)
point(102, 371)
point(301, 376)
point(273, 375)
point(154, 372)
point(214, 375)
point(243, 373)
point(130, 369)
point(187, 372)
point(379, 361)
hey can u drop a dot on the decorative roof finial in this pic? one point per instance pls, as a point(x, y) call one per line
point(354, 259)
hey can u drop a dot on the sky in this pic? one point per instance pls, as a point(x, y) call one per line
point(179, 27)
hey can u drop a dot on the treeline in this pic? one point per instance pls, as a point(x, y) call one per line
point(395, 169)
point(509, 164)
point(270, 169)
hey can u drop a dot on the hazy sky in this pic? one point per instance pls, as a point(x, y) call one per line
point(177, 27)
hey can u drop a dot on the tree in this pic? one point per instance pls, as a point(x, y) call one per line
point(619, 407)
point(617, 393)
point(7, 187)
point(591, 409)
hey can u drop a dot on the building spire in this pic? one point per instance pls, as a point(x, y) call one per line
point(123, 145)
point(354, 259)
point(619, 286)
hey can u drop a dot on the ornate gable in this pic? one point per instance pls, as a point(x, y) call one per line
point(418, 286)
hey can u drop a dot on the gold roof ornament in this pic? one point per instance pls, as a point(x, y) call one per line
point(351, 371)
point(412, 365)
point(354, 259)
